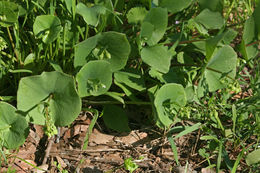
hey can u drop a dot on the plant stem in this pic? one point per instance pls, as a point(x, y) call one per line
point(115, 102)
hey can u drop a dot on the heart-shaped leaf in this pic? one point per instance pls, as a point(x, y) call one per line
point(112, 47)
point(157, 19)
point(53, 88)
point(174, 6)
point(94, 78)
point(157, 57)
point(47, 27)
point(115, 118)
point(168, 100)
point(8, 13)
point(13, 127)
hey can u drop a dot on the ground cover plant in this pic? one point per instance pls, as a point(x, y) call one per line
point(191, 67)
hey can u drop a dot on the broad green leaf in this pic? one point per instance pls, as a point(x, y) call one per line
point(213, 5)
point(115, 118)
point(210, 19)
point(253, 157)
point(8, 13)
point(94, 78)
point(219, 71)
point(112, 47)
point(168, 100)
point(83, 49)
point(89, 14)
point(53, 88)
point(157, 19)
point(47, 27)
point(136, 15)
point(157, 57)
point(175, 6)
point(13, 127)
point(132, 79)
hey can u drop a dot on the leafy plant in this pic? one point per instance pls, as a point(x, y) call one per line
point(182, 59)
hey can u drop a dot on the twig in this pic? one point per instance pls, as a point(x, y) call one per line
point(51, 140)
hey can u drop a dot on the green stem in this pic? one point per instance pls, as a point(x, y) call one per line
point(115, 102)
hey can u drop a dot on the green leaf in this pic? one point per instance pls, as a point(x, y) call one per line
point(117, 46)
point(157, 19)
point(253, 157)
point(168, 100)
point(136, 15)
point(214, 5)
point(13, 127)
point(53, 88)
point(8, 13)
point(94, 78)
point(175, 6)
point(47, 27)
point(219, 71)
point(157, 57)
point(83, 49)
point(130, 165)
point(90, 15)
point(112, 47)
point(210, 19)
point(133, 79)
point(115, 118)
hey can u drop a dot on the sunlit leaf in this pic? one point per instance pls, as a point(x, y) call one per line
point(156, 18)
point(53, 88)
point(8, 13)
point(94, 78)
point(47, 27)
point(210, 19)
point(168, 100)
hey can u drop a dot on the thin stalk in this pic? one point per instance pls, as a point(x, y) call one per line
point(115, 102)
point(12, 44)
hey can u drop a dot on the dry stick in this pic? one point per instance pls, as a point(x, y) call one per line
point(51, 140)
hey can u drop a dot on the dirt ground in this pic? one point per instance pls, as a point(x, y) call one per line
point(105, 152)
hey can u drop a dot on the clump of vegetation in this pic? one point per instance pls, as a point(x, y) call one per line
point(185, 60)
